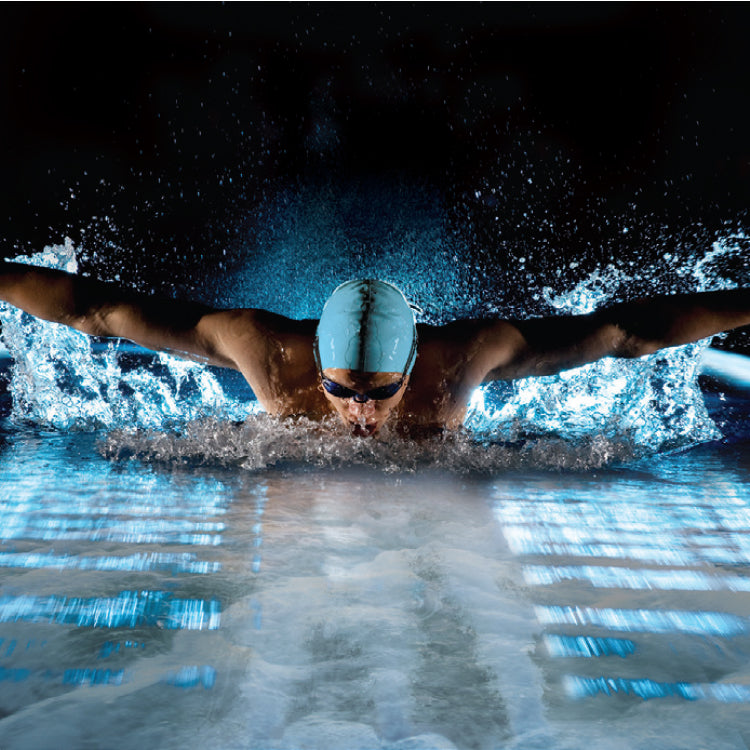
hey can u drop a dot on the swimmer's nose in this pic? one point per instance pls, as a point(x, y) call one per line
point(361, 407)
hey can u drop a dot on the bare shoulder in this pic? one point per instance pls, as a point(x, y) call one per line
point(238, 332)
point(476, 347)
point(273, 352)
point(465, 330)
point(452, 360)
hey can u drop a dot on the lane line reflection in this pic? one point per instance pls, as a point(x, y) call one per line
point(672, 538)
point(630, 578)
point(584, 687)
point(644, 620)
point(185, 677)
point(185, 562)
point(112, 530)
point(128, 609)
point(565, 646)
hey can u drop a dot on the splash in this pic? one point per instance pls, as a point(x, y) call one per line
point(343, 231)
point(262, 442)
point(158, 407)
point(64, 379)
point(653, 402)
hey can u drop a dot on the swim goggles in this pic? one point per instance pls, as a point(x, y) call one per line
point(376, 394)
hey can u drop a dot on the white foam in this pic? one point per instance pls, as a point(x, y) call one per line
point(262, 442)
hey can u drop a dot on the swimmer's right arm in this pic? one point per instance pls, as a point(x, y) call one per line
point(545, 346)
point(103, 309)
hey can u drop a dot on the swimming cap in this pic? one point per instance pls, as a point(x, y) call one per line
point(367, 325)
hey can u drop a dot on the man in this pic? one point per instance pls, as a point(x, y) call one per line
point(366, 360)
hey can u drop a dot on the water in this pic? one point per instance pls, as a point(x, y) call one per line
point(169, 606)
point(179, 570)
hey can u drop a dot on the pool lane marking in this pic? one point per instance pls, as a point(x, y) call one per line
point(128, 609)
point(185, 677)
point(645, 620)
point(679, 536)
point(185, 562)
point(585, 687)
point(602, 576)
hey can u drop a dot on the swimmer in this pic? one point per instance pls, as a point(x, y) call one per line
point(366, 360)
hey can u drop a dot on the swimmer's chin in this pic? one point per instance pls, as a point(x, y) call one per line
point(363, 430)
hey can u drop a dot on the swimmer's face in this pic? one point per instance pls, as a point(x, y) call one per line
point(364, 415)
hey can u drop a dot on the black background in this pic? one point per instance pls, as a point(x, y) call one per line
point(150, 132)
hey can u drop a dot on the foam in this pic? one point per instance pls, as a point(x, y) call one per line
point(159, 408)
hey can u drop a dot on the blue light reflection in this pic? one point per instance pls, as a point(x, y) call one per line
point(129, 609)
point(173, 562)
point(87, 676)
point(601, 576)
point(587, 646)
point(583, 687)
point(134, 531)
point(645, 620)
point(685, 536)
point(192, 676)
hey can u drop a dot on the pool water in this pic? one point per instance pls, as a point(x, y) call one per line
point(166, 603)
point(179, 570)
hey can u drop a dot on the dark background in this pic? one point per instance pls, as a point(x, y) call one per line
point(156, 135)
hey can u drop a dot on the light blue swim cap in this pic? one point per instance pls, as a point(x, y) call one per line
point(367, 325)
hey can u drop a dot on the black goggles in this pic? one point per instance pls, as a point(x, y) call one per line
point(376, 394)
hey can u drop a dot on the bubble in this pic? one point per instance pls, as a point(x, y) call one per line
point(163, 408)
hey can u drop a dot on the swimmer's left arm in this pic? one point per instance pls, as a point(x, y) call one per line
point(545, 346)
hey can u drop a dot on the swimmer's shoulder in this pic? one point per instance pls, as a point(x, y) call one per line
point(273, 352)
point(459, 356)
point(244, 332)
point(244, 322)
point(461, 337)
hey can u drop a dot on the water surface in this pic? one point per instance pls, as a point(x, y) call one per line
point(180, 570)
point(169, 605)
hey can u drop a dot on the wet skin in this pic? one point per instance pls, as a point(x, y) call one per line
point(275, 353)
point(364, 418)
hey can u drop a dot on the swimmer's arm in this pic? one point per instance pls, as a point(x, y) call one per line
point(97, 308)
point(545, 346)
